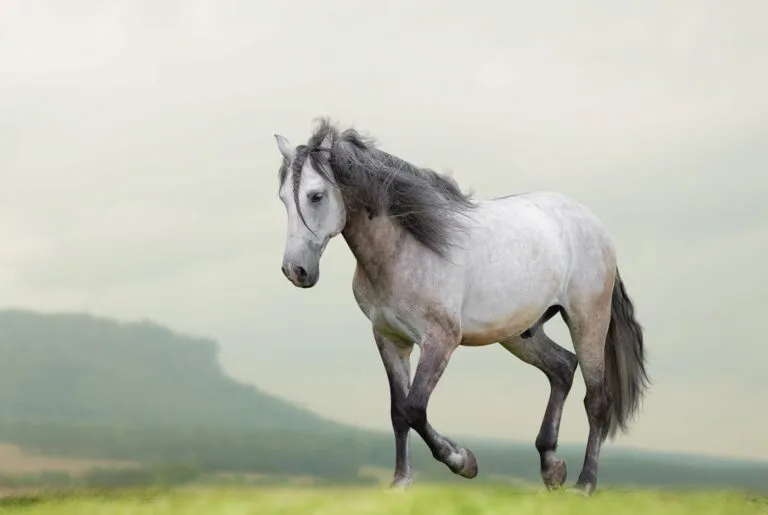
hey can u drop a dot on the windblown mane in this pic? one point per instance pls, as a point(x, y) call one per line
point(423, 202)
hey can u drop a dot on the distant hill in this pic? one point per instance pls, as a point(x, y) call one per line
point(61, 368)
point(86, 387)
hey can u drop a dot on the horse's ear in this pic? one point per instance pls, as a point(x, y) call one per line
point(327, 142)
point(286, 149)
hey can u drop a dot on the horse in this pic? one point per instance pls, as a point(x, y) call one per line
point(440, 269)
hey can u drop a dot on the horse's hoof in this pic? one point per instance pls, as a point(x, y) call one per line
point(469, 469)
point(401, 484)
point(583, 490)
point(555, 474)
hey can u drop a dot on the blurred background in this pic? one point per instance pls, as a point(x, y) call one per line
point(148, 331)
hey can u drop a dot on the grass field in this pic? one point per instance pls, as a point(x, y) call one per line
point(420, 499)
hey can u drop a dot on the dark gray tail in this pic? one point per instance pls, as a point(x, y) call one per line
point(626, 379)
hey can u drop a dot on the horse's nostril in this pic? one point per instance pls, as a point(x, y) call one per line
point(285, 270)
point(301, 273)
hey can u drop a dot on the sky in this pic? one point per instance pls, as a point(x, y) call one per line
point(139, 175)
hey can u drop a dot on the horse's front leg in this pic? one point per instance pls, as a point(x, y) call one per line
point(396, 359)
point(435, 352)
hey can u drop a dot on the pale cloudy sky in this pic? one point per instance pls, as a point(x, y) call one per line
point(139, 181)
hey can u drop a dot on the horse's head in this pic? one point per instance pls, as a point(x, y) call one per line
point(314, 206)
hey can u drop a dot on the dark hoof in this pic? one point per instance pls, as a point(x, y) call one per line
point(554, 474)
point(469, 469)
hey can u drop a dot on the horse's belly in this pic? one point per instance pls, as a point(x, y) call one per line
point(502, 309)
point(494, 328)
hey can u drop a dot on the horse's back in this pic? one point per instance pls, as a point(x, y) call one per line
point(585, 241)
point(578, 226)
point(523, 254)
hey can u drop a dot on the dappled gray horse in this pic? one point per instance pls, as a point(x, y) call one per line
point(438, 269)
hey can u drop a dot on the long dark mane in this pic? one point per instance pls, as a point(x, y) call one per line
point(423, 202)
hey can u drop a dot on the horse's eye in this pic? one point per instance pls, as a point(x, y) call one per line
point(315, 198)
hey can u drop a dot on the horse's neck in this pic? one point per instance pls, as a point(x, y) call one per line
point(374, 242)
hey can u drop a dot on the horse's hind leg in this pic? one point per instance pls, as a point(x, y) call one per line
point(588, 324)
point(559, 365)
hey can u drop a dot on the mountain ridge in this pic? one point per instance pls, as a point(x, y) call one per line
point(80, 385)
point(56, 364)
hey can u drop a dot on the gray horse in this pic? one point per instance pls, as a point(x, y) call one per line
point(439, 269)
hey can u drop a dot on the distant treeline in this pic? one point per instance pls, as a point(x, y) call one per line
point(159, 475)
point(176, 455)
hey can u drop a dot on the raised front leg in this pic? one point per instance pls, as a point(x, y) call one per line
point(434, 357)
point(396, 359)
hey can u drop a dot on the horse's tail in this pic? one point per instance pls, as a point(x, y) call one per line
point(625, 376)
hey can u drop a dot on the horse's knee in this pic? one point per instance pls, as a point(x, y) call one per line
point(415, 413)
point(400, 417)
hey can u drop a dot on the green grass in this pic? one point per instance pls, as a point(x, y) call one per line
point(419, 500)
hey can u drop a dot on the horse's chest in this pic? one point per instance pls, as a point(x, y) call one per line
point(389, 316)
point(396, 325)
